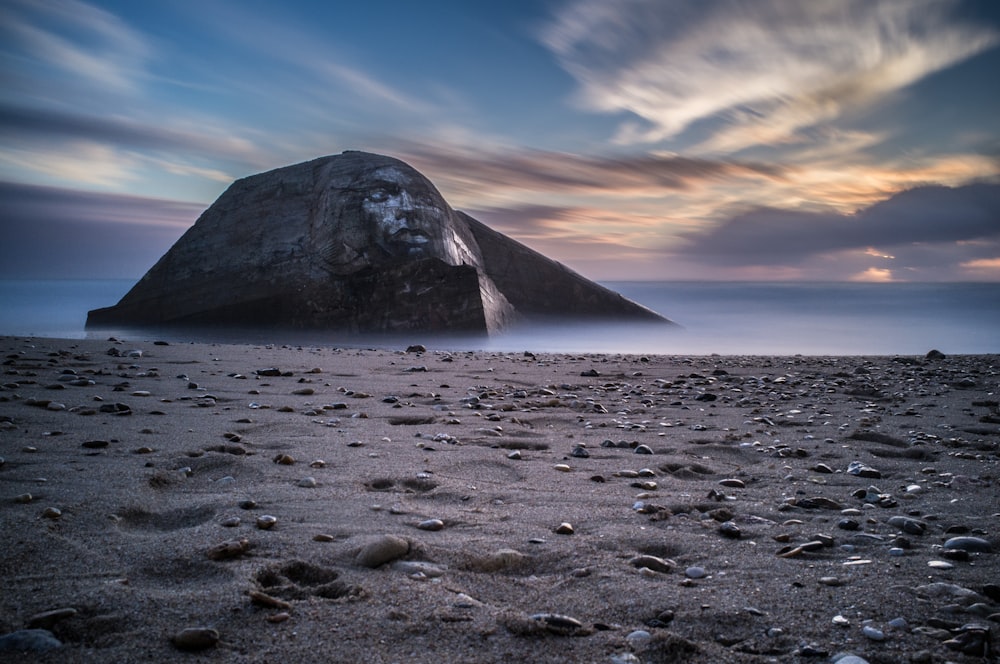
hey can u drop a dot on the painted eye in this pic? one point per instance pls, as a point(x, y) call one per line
point(378, 196)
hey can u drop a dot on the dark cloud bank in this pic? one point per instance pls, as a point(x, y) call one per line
point(910, 220)
point(50, 232)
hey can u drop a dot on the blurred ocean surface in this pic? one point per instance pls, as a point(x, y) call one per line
point(717, 317)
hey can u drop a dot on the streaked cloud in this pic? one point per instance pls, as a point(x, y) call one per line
point(19, 124)
point(470, 172)
point(761, 73)
point(77, 39)
point(79, 234)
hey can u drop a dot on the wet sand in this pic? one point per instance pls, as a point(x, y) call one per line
point(490, 507)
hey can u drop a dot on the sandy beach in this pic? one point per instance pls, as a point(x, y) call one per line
point(167, 501)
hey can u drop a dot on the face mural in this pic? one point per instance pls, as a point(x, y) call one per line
point(408, 219)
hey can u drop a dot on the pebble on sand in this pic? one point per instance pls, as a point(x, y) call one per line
point(229, 549)
point(431, 524)
point(266, 521)
point(969, 543)
point(195, 638)
point(29, 640)
point(655, 563)
point(382, 550)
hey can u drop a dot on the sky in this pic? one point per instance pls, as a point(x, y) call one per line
point(829, 140)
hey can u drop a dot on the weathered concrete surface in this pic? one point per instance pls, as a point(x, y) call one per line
point(358, 242)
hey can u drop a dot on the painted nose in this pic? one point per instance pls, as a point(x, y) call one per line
point(406, 205)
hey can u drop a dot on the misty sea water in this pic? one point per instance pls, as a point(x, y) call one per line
point(715, 317)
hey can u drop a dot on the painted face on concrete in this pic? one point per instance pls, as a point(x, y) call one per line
point(407, 219)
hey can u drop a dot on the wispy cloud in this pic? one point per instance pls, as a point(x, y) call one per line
point(758, 72)
point(470, 173)
point(78, 39)
point(53, 126)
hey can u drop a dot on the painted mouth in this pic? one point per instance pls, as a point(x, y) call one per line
point(411, 236)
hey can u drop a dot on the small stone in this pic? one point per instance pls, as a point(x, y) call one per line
point(515, 455)
point(24, 498)
point(969, 543)
point(831, 581)
point(733, 483)
point(558, 624)
point(51, 513)
point(29, 640)
point(695, 572)
point(195, 638)
point(730, 529)
point(848, 524)
point(284, 460)
point(266, 601)
point(908, 525)
point(562, 468)
point(638, 640)
point(940, 564)
point(229, 549)
point(655, 563)
point(643, 449)
point(841, 621)
point(564, 528)
point(318, 463)
point(279, 617)
point(307, 483)
point(873, 633)
point(859, 469)
point(580, 452)
point(847, 658)
point(323, 537)
point(94, 444)
point(431, 524)
point(247, 504)
point(231, 522)
point(266, 521)
point(382, 550)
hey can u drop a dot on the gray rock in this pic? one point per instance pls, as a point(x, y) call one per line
point(908, 525)
point(862, 470)
point(873, 633)
point(847, 658)
point(431, 524)
point(29, 640)
point(382, 550)
point(359, 242)
point(730, 529)
point(969, 543)
point(195, 638)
